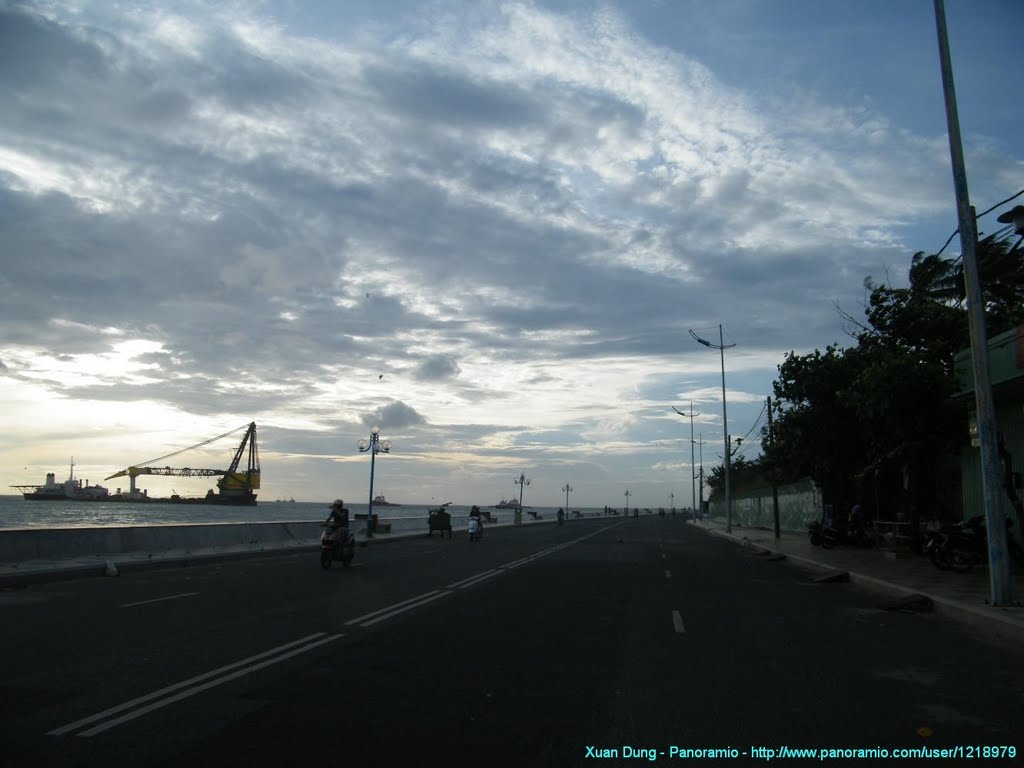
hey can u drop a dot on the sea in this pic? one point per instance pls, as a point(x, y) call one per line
point(17, 512)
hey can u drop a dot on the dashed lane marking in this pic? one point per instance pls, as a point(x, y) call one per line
point(159, 599)
point(677, 623)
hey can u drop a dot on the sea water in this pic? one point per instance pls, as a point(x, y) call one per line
point(17, 512)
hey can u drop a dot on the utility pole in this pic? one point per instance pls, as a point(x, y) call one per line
point(775, 487)
point(1000, 582)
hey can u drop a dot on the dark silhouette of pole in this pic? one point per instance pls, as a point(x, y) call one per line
point(1000, 582)
point(775, 487)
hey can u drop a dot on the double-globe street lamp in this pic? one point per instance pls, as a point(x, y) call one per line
point(567, 488)
point(721, 346)
point(520, 481)
point(374, 445)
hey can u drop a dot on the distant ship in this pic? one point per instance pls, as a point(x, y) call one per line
point(71, 488)
point(507, 504)
point(380, 501)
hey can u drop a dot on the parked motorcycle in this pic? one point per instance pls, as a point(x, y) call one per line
point(475, 529)
point(935, 549)
point(822, 535)
point(336, 543)
point(961, 546)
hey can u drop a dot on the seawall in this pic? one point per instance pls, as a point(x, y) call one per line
point(26, 544)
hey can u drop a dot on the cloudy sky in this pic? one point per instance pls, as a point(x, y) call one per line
point(487, 227)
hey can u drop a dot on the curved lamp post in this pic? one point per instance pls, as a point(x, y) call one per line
point(520, 481)
point(721, 346)
point(374, 445)
point(567, 488)
point(693, 487)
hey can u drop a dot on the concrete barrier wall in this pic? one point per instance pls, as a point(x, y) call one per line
point(18, 545)
point(23, 544)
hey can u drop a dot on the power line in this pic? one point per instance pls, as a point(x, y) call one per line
point(957, 231)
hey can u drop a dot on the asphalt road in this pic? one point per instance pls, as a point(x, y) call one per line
point(527, 648)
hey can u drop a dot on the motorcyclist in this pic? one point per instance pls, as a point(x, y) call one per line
point(561, 515)
point(338, 517)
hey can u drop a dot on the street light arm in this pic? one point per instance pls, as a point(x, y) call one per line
point(707, 343)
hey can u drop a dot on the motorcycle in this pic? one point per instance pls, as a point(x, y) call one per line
point(336, 543)
point(961, 546)
point(822, 534)
point(476, 531)
point(935, 550)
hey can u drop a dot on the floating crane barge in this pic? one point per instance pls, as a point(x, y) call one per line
point(234, 487)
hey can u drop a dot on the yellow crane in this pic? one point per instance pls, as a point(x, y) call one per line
point(233, 487)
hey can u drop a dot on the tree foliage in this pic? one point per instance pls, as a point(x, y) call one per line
point(885, 403)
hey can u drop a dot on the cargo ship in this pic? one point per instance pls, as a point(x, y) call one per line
point(508, 504)
point(72, 489)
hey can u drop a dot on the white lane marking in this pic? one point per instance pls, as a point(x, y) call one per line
point(205, 686)
point(371, 622)
point(480, 578)
point(677, 622)
point(471, 579)
point(517, 563)
point(155, 694)
point(159, 599)
point(668, 574)
point(390, 607)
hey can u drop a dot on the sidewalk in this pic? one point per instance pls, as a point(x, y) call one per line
point(961, 596)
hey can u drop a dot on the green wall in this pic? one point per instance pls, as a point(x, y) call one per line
point(799, 504)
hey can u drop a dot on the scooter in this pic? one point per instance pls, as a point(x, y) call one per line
point(476, 530)
point(822, 535)
point(961, 546)
point(336, 543)
point(935, 548)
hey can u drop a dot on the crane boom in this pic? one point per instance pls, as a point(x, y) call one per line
point(185, 472)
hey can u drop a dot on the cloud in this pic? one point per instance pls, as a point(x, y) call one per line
point(395, 415)
point(438, 367)
point(513, 212)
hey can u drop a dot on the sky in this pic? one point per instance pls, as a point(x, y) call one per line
point(486, 227)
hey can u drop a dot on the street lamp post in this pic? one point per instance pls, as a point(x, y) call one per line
point(721, 347)
point(700, 482)
point(626, 514)
point(567, 488)
point(374, 445)
point(691, 414)
point(520, 481)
